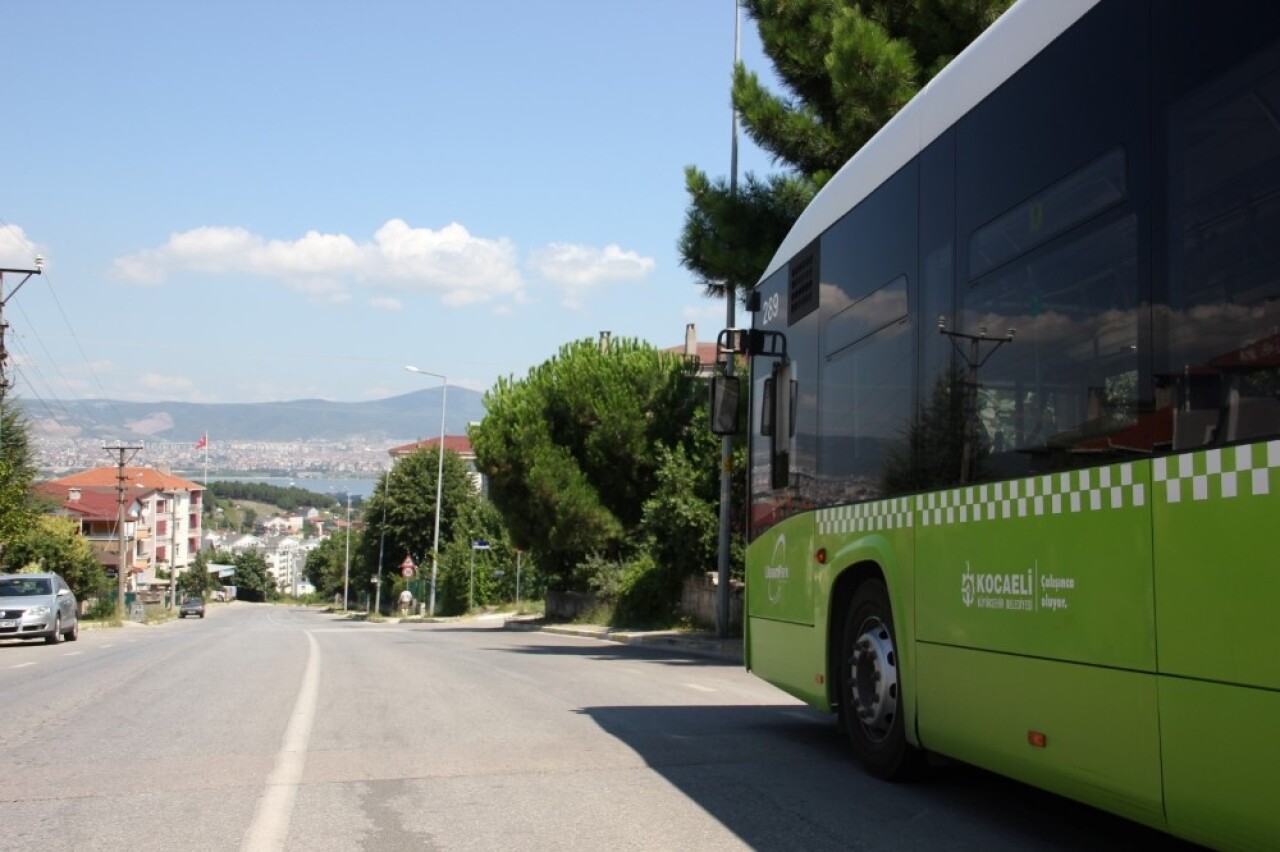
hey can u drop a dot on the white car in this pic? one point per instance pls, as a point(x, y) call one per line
point(37, 606)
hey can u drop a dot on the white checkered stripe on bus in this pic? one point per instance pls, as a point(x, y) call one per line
point(1222, 473)
point(1089, 490)
point(892, 514)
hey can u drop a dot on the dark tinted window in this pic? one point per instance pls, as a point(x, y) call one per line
point(1221, 383)
point(869, 262)
point(1074, 199)
point(1064, 392)
point(1052, 186)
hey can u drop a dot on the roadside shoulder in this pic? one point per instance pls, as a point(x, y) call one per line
point(696, 643)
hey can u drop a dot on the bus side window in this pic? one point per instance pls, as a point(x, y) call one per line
point(779, 422)
point(766, 410)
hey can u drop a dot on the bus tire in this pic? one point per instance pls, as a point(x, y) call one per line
point(870, 688)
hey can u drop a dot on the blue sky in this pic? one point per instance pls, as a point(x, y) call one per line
point(251, 201)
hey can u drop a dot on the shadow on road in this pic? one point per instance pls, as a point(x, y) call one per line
point(610, 651)
point(782, 777)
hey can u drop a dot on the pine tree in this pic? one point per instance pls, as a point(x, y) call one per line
point(573, 451)
point(848, 67)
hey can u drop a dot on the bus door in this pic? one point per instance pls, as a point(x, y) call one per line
point(781, 571)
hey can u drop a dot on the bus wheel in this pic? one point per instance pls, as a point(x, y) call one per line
point(870, 693)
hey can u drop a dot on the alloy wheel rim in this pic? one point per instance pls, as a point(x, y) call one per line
point(873, 679)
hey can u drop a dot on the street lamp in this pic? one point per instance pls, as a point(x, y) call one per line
point(382, 537)
point(346, 568)
point(435, 544)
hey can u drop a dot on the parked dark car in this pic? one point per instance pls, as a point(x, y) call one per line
point(191, 606)
point(37, 606)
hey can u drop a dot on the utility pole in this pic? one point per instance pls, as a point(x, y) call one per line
point(122, 566)
point(974, 361)
point(4, 330)
point(173, 553)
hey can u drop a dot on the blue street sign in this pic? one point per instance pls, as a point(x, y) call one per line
point(480, 545)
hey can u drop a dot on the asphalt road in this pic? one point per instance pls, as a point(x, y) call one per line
point(266, 727)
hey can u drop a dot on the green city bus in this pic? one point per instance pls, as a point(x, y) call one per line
point(1014, 420)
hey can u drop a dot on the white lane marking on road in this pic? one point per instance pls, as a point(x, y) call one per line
point(73, 653)
point(699, 687)
point(21, 665)
point(270, 826)
point(112, 645)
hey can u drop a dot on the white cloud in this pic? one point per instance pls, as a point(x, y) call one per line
point(462, 268)
point(16, 250)
point(580, 269)
point(452, 263)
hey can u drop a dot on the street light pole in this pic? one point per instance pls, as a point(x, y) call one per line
point(435, 544)
point(346, 569)
point(382, 536)
point(726, 443)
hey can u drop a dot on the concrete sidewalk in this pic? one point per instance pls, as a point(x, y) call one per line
point(695, 643)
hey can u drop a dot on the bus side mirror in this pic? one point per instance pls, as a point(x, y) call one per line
point(725, 391)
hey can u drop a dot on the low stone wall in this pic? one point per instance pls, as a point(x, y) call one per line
point(566, 606)
point(699, 600)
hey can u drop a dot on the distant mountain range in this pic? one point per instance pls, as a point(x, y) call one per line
point(409, 416)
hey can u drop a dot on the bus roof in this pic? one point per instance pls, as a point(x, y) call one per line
point(1013, 40)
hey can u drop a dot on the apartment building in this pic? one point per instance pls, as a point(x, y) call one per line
point(162, 517)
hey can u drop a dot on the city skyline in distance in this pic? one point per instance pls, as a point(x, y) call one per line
point(410, 416)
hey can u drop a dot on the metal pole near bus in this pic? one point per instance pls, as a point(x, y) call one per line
point(479, 544)
point(726, 443)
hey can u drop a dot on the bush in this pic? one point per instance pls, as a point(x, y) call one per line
point(102, 609)
point(605, 577)
point(649, 596)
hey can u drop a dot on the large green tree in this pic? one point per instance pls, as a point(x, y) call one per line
point(18, 509)
point(55, 544)
point(847, 67)
point(197, 579)
point(398, 520)
point(573, 450)
point(325, 564)
point(253, 579)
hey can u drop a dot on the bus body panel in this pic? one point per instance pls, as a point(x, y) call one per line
point(1221, 762)
point(1101, 730)
point(781, 573)
point(1055, 566)
point(783, 647)
point(1217, 552)
point(791, 657)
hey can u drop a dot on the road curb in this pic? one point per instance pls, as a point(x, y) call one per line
point(693, 644)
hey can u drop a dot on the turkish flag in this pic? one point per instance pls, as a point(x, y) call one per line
point(203, 442)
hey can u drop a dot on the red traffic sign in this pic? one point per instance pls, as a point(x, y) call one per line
point(407, 566)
